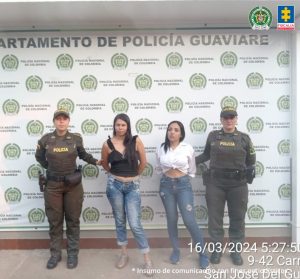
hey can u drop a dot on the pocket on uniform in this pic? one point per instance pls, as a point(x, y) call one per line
point(73, 179)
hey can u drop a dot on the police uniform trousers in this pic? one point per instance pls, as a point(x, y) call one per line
point(237, 199)
point(63, 202)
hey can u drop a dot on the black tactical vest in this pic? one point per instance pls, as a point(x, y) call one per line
point(61, 154)
point(227, 151)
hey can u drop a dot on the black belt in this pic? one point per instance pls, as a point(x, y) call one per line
point(230, 174)
point(56, 178)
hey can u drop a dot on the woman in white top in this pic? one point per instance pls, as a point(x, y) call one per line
point(176, 162)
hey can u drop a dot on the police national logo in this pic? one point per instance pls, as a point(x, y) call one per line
point(91, 215)
point(34, 84)
point(228, 59)
point(174, 60)
point(260, 18)
point(283, 103)
point(89, 127)
point(90, 171)
point(12, 151)
point(283, 59)
point(36, 216)
point(197, 81)
point(143, 82)
point(33, 171)
point(283, 147)
point(66, 104)
point(201, 213)
point(35, 128)
point(13, 195)
point(120, 105)
point(229, 101)
point(174, 105)
point(254, 81)
point(119, 61)
point(285, 192)
point(88, 83)
point(143, 126)
point(255, 125)
point(259, 169)
point(148, 171)
point(11, 107)
point(147, 214)
point(10, 62)
point(198, 125)
point(64, 62)
point(255, 213)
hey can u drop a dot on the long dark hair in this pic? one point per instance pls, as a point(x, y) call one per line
point(166, 144)
point(130, 152)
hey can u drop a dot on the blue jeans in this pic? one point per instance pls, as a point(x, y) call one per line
point(125, 201)
point(178, 191)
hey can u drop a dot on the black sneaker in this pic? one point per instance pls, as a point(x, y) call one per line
point(215, 257)
point(236, 258)
point(72, 262)
point(53, 261)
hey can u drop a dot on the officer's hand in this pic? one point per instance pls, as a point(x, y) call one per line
point(99, 162)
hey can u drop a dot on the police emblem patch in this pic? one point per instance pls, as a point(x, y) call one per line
point(260, 18)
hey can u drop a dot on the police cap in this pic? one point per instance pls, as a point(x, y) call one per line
point(61, 112)
point(228, 111)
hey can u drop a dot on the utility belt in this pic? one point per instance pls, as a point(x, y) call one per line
point(248, 174)
point(56, 178)
point(237, 175)
point(228, 174)
point(72, 179)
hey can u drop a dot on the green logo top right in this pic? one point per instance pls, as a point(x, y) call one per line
point(260, 18)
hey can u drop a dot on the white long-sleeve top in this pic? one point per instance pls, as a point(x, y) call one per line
point(181, 158)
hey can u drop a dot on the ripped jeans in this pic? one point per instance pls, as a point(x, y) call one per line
point(178, 191)
point(125, 200)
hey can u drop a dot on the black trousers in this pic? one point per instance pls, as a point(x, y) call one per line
point(237, 199)
point(63, 203)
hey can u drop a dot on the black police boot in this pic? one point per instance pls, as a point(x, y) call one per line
point(215, 257)
point(236, 258)
point(53, 261)
point(72, 262)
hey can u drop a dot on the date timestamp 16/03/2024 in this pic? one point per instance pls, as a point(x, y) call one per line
point(268, 254)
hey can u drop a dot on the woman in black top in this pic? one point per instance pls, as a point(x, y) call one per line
point(123, 157)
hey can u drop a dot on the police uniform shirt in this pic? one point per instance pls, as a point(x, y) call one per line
point(58, 154)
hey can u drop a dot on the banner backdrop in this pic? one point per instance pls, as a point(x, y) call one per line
point(154, 77)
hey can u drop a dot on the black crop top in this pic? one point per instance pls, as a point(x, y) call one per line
point(119, 164)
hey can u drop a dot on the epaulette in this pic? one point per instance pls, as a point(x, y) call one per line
point(244, 134)
point(77, 134)
point(46, 135)
point(216, 132)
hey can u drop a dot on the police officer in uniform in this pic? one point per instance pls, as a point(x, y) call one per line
point(232, 165)
point(63, 194)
